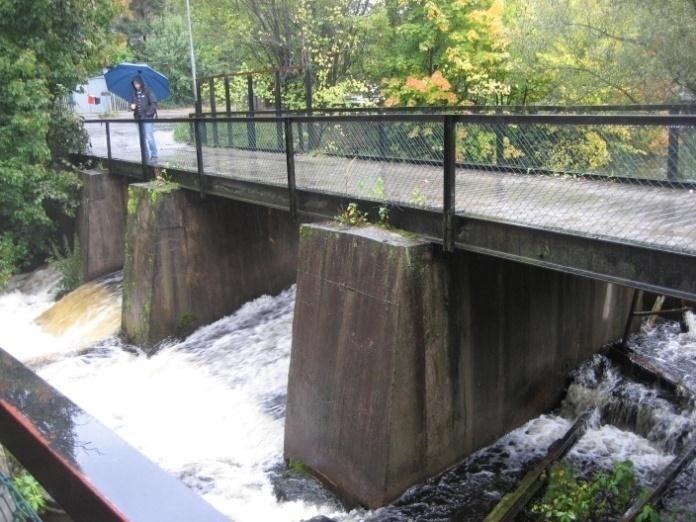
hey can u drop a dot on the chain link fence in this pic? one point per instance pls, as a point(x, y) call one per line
point(626, 179)
point(627, 183)
point(13, 507)
point(387, 162)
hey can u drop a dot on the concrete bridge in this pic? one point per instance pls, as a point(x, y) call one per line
point(513, 244)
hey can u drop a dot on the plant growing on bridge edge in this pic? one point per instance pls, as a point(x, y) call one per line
point(31, 491)
point(383, 217)
point(352, 216)
point(607, 495)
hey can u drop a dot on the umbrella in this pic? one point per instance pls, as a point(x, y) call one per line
point(119, 78)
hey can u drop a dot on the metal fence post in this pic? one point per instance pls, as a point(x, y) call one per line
point(199, 101)
point(290, 161)
point(251, 124)
point(300, 136)
point(108, 148)
point(382, 139)
point(143, 149)
point(308, 88)
point(278, 110)
point(499, 140)
point(213, 110)
point(449, 181)
point(228, 110)
point(673, 151)
point(311, 137)
point(199, 109)
point(199, 157)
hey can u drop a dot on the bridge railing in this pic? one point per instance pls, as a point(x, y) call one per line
point(552, 171)
point(87, 469)
point(677, 108)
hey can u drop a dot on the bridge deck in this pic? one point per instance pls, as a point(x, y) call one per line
point(650, 216)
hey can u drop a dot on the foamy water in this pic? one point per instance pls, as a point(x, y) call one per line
point(211, 410)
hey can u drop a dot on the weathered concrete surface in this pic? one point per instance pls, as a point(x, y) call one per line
point(190, 262)
point(101, 223)
point(405, 360)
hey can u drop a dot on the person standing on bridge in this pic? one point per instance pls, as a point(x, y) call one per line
point(144, 106)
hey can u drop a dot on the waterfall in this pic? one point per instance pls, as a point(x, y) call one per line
point(210, 409)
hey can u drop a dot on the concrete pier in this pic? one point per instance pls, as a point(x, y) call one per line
point(101, 223)
point(191, 261)
point(406, 359)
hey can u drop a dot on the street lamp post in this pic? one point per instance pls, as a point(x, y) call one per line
point(193, 55)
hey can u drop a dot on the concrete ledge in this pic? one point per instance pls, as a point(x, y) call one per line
point(101, 223)
point(405, 360)
point(191, 261)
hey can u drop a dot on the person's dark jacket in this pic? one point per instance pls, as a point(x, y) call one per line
point(144, 100)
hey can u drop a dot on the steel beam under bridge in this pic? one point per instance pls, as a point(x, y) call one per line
point(642, 267)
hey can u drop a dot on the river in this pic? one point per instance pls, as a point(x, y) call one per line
point(210, 409)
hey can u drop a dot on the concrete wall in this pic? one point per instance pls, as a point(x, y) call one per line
point(101, 223)
point(405, 360)
point(191, 261)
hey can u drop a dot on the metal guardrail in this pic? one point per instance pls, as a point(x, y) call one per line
point(650, 150)
point(680, 108)
point(89, 471)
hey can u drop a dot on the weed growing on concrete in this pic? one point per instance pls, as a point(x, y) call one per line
point(352, 216)
point(383, 217)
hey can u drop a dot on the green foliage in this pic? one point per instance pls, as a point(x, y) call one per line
point(182, 133)
point(352, 216)
point(47, 50)
point(68, 262)
point(418, 198)
point(568, 498)
point(648, 514)
point(10, 256)
point(298, 467)
point(31, 491)
point(167, 49)
point(378, 191)
point(603, 51)
point(383, 217)
point(463, 41)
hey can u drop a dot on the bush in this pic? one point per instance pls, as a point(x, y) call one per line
point(30, 490)
point(352, 216)
point(68, 262)
point(606, 496)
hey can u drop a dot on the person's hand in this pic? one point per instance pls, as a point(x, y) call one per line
point(132, 106)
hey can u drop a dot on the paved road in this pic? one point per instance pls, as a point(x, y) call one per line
point(662, 218)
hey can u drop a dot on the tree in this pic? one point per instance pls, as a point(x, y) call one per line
point(604, 51)
point(464, 40)
point(167, 50)
point(48, 48)
point(135, 22)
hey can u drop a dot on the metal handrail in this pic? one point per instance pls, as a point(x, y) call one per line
point(74, 457)
point(539, 119)
point(682, 108)
point(448, 162)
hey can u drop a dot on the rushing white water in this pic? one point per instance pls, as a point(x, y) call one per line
point(211, 409)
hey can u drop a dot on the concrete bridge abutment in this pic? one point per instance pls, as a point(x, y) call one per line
point(190, 261)
point(101, 223)
point(406, 359)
